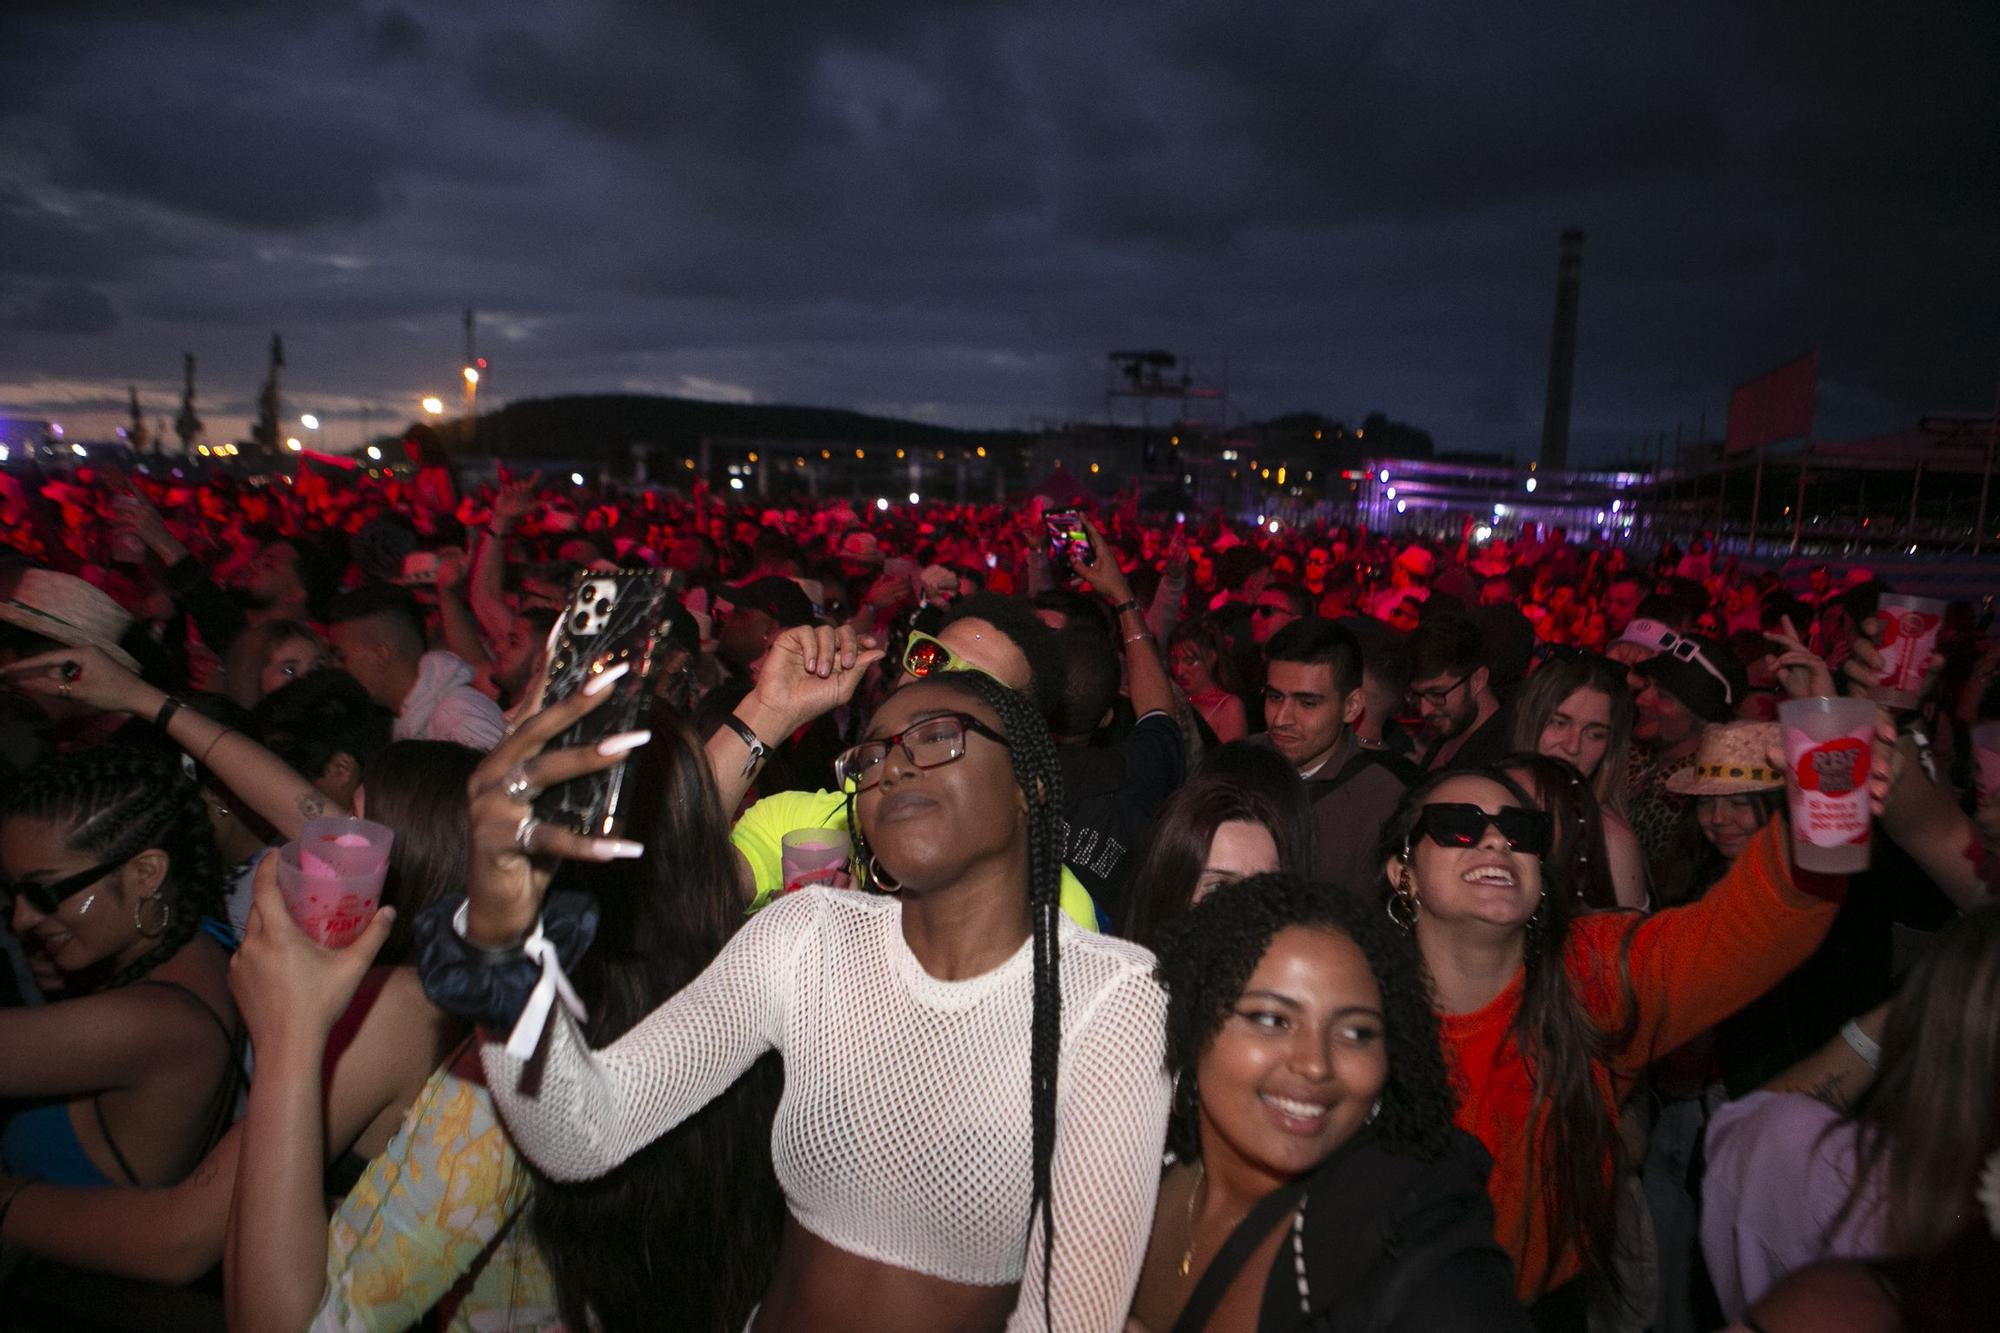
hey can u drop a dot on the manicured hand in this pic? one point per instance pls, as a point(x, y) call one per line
point(505, 882)
point(289, 988)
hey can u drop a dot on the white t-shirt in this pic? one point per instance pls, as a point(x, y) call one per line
point(904, 1133)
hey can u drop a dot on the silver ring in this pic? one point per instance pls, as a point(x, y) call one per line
point(524, 833)
point(518, 787)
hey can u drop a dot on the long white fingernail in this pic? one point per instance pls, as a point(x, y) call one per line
point(619, 744)
point(617, 849)
point(606, 678)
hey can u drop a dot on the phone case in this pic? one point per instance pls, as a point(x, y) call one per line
point(1066, 534)
point(610, 618)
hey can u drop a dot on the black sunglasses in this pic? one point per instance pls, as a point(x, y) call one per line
point(48, 898)
point(1453, 824)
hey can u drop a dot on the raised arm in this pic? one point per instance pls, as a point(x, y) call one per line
point(515, 500)
point(266, 783)
point(1111, 1120)
point(1145, 674)
point(586, 1111)
point(808, 671)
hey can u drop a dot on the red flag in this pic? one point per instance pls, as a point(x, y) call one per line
point(1773, 407)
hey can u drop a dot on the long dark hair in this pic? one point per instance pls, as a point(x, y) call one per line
point(1176, 849)
point(117, 802)
point(1697, 865)
point(690, 1223)
point(1932, 1115)
point(417, 789)
point(1565, 793)
point(1036, 768)
point(1568, 1057)
point(1210, 953)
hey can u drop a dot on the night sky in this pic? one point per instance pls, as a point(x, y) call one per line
point(952, 211)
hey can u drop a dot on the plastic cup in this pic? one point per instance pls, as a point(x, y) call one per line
point(331, 878)
point(1986, 759)
point(1909, 627)
point(1829, 753)
point(816, 856)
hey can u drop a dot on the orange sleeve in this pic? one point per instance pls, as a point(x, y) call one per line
point(1694, 966)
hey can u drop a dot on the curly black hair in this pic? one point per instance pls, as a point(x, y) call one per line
point(1208, 959)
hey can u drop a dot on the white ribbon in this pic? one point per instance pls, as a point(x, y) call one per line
point(527, 1033)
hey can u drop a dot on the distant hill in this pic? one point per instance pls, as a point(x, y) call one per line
point(583, 425)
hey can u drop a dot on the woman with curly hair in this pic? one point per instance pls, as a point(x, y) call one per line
point(1317, 1177)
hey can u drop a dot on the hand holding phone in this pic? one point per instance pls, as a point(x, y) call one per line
point(1068, 536)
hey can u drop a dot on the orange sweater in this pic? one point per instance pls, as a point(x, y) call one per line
point(1692, 967)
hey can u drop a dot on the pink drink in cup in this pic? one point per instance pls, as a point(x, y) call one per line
point(1829, 754)
point(1986, 759)
point(816, 856)
point(1909, 634)
point(331, 878)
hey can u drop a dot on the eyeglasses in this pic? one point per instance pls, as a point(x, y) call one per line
point(926, 656)
point(1441, 696)
point(1464, 825)
point(931, 743)
point(48, 898)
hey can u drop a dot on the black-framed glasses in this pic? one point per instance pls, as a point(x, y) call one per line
point(931, 743)
point(1452, 824)
point(1439, 697)
point(48, 898)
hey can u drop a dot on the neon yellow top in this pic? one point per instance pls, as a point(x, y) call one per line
point(760, 835)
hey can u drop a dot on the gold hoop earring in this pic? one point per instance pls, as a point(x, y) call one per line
point(159, 905)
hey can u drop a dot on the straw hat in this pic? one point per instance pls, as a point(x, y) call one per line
point(64, 608)
point(1732, 758)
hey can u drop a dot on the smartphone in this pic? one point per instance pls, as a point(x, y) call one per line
point(1066, 535)
point(608, 619)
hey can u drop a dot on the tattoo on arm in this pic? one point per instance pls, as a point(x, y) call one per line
point(312, 805)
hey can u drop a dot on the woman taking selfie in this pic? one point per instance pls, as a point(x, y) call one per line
point(1548, 1017)
point(974, 1097)
point(1317, 1175)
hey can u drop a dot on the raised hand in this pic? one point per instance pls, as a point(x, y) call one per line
point(516, 500)
point(514, 856)
point(1102, 573)
point(289, 988)
point(810, 670)
point(1801, 672)
point(84, 676)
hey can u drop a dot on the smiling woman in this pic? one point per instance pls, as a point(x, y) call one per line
point(1312, 1119)
point(109, 870)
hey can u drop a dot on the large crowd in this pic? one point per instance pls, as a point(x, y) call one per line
point(1242, 926)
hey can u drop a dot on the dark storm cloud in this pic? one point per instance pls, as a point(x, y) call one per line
point(957, 209)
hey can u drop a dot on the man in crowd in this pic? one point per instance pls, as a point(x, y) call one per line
point(1689, 685)
point(1278, 604)
point(1621, 603)
point(1312, 699)
point(1453, 685)
point(377, 636)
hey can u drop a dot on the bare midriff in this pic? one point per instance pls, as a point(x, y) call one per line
point(822, 1288)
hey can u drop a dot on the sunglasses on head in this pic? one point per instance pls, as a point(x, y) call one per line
point(1452, 824)
point(48, 898)
point(926, 656)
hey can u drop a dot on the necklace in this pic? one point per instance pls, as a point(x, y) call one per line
point(1194, 1194)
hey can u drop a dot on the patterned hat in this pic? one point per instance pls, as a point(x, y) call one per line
point(64, 608)
point(1731, 759)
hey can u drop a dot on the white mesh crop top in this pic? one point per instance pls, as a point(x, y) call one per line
point(904, 1131)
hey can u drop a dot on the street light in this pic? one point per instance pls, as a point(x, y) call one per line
point(374, 453)
point(471, 375)
point(433, 405)
point(309, 421)
point(293, 444)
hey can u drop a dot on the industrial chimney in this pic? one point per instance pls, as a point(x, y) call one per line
point(1562, 352)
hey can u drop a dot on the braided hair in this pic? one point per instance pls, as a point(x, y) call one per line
point(118, 802)
point(1033, 754)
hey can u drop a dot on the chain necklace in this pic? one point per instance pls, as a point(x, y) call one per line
point(1194, 1194)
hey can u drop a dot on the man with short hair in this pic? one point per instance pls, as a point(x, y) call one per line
point(1452, 684)
point(377, 637)
point(1621, 603)
point(1312, 699)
